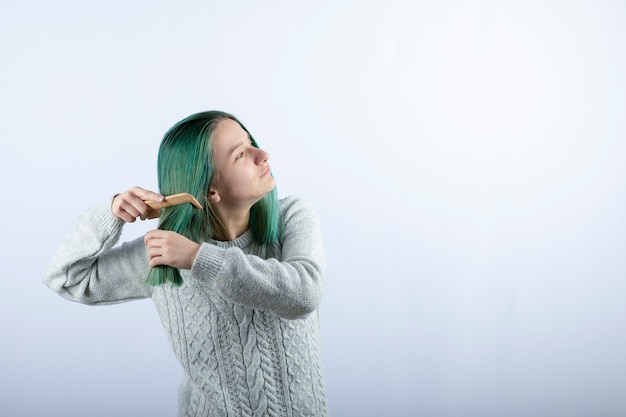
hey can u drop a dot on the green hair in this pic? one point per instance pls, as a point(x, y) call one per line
point(185, 165)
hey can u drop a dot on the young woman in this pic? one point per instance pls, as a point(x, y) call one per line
point(236, 284)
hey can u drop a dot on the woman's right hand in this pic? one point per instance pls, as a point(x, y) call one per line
point(130, 204)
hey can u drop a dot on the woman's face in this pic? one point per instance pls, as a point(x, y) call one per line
point(242, 175)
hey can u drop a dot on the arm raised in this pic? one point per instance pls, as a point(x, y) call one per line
point(291, 287)
point(87, 268)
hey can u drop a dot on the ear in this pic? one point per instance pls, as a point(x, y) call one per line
point(214, 195)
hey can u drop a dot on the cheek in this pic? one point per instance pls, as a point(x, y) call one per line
point(233, 181)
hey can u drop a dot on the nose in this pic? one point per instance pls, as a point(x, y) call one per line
point(262, 156)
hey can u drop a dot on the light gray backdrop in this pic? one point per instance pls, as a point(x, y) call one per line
point(466, 159)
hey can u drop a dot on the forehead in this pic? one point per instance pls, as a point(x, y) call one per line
point(228, 133)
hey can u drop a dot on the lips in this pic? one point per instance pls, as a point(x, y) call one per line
point(266, 171)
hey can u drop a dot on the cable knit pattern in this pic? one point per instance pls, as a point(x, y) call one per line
point(273, 382)
point(243, 325)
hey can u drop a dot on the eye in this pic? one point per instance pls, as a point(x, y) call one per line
point(239, 156)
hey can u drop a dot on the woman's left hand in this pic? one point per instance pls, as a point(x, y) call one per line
point(170, 248)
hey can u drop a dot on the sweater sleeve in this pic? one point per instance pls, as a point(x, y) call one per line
point(88, 269)
point(291, 287)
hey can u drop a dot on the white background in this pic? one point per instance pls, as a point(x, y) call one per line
point(466, 160)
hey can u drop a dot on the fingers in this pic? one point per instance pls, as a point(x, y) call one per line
point(153, 236)
point(146, 194)
point(170, 248)
point(130, 204)
point(132, 207)
point(160, 248)
point(153, 241)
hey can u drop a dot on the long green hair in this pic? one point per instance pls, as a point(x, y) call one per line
point(185, 165)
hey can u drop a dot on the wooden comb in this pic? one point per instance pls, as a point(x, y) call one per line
point(154, 207)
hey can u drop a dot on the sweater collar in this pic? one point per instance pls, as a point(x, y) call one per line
point(243, 241)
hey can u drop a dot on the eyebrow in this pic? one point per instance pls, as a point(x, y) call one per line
point(235, 147)
point(238, 145)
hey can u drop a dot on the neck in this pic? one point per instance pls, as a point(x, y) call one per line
point(234, 222)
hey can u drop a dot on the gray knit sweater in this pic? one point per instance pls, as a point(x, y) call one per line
point(243, 325)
